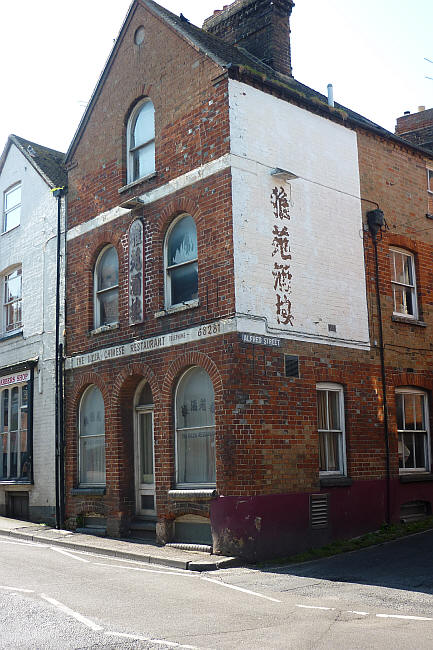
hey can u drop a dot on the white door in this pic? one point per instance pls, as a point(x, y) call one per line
point(144, 462)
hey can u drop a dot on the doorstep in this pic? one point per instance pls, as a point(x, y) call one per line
point(138, 550)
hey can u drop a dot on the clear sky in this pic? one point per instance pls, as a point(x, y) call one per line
point(53, 51)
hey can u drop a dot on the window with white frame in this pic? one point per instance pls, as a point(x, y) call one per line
point(14, 442)
point(430, 190)
point(92, 438)
point(12, 301)
point(195, 429)
point(330, 417)
point(413, 430)
point(403, 283)
point(141, 141)
point(181, 262)
point(106, 286)
point(12, 208)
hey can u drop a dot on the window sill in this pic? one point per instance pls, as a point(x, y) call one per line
point(192, 494)
point(192, 304)
point(11, 335)
point(89, 491)
point(129, 186)
point(408, 320)
point(416, 477)
point(6, 232)
point(335, 481)
point(104, 328)
point(16, 483)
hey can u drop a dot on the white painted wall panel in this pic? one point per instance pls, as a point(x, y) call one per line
point(325, 228)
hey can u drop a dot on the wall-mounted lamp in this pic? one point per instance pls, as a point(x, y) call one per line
point(283, 174)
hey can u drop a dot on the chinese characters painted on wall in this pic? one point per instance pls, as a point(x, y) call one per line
point(281, 253)
point(136, 272)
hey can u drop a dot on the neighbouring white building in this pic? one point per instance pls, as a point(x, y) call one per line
point(29, 176)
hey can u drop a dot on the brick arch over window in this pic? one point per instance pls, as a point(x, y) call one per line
point(80, 385)
point(330, 376)
point(173, 210)
point(410, 380)
point(181, 364)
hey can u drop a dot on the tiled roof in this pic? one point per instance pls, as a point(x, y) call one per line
point(48, 161)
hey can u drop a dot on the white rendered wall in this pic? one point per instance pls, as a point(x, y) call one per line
point(33, 246)
point(325, 228)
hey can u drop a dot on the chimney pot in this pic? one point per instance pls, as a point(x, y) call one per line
point(421, 109)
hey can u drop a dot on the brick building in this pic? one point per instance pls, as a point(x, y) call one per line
point(29, 173)
point(226, 369)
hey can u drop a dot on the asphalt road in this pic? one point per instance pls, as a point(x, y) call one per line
point(376, 598)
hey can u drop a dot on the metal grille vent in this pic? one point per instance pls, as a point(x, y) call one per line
point(291, 365)
point(319, 510)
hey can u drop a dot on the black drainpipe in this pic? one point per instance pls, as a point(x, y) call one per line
point(376, 220)
point(58, 192)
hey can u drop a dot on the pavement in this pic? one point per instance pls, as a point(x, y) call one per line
point(139, 550)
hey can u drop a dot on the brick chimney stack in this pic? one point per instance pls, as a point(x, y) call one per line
point(417, 128)
point(260, 26)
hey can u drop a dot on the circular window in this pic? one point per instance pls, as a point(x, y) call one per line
point(139, 35)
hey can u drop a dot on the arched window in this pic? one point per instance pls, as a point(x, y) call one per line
point(181, 262)
point(106, 283)
point(195, 429)
point(141, 141)
point(92, 438)
point(331, 427)
point(413, 430)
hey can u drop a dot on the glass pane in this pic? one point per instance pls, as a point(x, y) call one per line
point(24, 396)
point(144, 127)
point(109, 307)
point(108, 270)
point(419, 412)
point(321, 409)
point(184, 283)
point(407, 270)
point(25, 459)
point(195, 401)
point(92, 417)
point(13, 316)
point(13, 198)
point(144, 160)
point(409, 412)
point(407, 450)
point(334, 409)
point(196, 456)
point(322, 452)
point(13, 286)
point(420, 455)
point(403, 303)
point(146, 448)
point(145, 397)
point(3, 455)
point(14, 409)
point(399, 407)
point(13, 473)
point(333, 452)
point(12, 218)
point(182, 243)
point(92, 460)
point(4, 421)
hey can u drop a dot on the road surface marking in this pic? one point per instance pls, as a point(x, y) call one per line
point(405, 618)
point(314, 607)
point(60, 550)
point(25, 591)
point(22, 542)
point(133, 568)
point(352, 611)
point(70, 612)
point(245, 591)
point(148, 638)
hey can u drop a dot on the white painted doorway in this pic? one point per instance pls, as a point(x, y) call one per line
point(144, 452)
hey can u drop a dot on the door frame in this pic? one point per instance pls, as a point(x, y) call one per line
point(139, 488)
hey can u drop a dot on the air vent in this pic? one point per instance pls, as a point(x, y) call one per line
point(414, 510)
point(319, 510)
point(291, 366)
